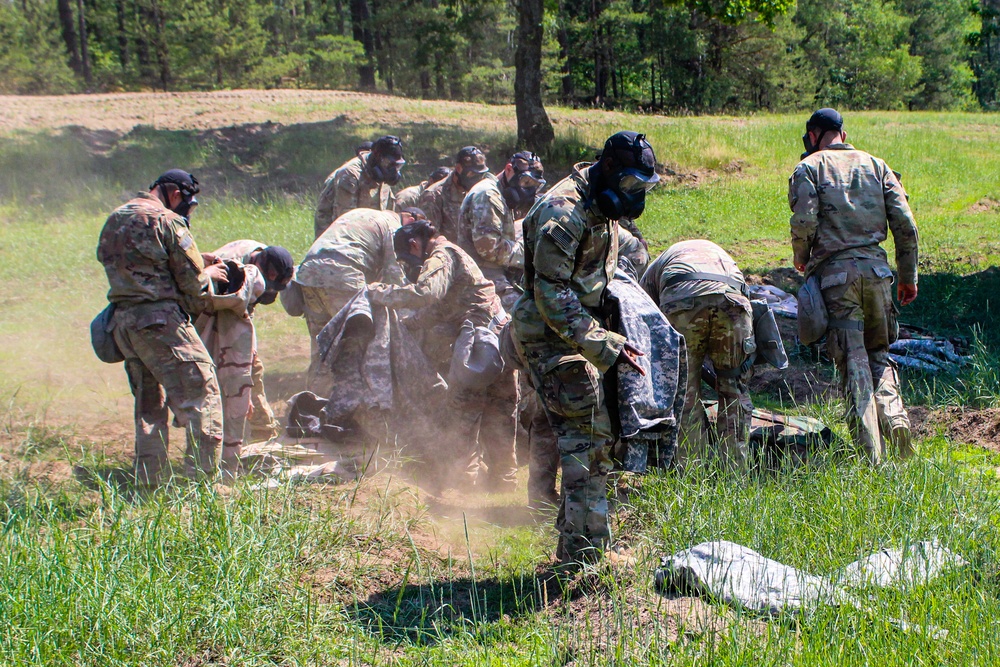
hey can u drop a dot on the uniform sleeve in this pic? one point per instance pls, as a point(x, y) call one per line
point(804, 202)
point(632, 249)
point(390, 271)
point(345, 194)
point(324, 207)
point(186, 265)
point(430, 204)
point(556, 244)
point(487, 217)
point(903, 227)
point(431, 286)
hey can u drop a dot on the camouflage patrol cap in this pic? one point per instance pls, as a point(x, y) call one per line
point(185, 182)
point(827, 120)
point(415, 213)
point(439, 174)
point(280, 260)
point(472, 160)
point(630, 150)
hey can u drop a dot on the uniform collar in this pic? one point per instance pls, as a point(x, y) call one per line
point(839, 147)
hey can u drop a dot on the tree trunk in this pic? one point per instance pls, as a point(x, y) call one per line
point(122, 34)
point(568, 93)
point(362, 32)
point(534, 130)
point(84, 51)
point(68, 24)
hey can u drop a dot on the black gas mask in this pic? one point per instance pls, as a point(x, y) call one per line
point(412, 264)
point(187, 186)
point(419, 230)
point(385, 162)
point(821, 122)
point(622, 193)
point(522, 189)
point(185, 207)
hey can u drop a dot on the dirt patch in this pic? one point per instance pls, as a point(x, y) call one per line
point(672, 173)
point(974, 427)
point(784, 278)
point(985, 205)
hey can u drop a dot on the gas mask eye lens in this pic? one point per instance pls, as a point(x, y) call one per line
point(527, 179)
point(633, 181)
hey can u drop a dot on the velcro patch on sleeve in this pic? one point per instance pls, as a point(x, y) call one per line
point(185, 241)
point(562, 238)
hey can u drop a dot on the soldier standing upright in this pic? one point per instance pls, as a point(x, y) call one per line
point(442, 201)
point(560, 328)
point(702, 292)
point(158, 281)
point(361, 182)
point(844, 202)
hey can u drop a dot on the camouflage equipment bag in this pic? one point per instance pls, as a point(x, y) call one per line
point(813, 317)
point(102, 339)
point(476, 362)
point(767, 336)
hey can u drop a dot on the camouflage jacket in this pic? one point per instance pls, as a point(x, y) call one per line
point(348, 188)
point(442, 202)
point(841, 199)
point(487, 229)
point(570, 253)
point(353, 251)
point(239, 251)
point(149, 255)
point(449, 290)
point(408, 197)
point(634, 251)
point(698, 256)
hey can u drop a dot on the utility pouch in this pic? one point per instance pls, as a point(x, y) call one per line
point(812, 316)
point(476, 362)
point(767, 336)
point(102, 339)
point(508, 350)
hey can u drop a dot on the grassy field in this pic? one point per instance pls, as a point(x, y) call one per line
point(380, 572)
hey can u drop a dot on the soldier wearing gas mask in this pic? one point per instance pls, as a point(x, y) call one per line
point(362, 182)
point(560, 329)
point(490, 220)
point(442, 201)
point(408, 197)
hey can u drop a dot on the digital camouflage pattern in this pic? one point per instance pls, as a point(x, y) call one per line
point(841, 200)
point(844, 202)
point(442, 203)
point(354, 250)
point(450, 290)
point(348, 188)
point(239, 251)
point(488, 232)
point(229, 337)
point(717, 324)
point(633, 256)
point(410, 197)
point(155, 272)
point(570, 255)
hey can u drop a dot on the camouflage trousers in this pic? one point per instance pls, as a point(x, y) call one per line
point(168, 366)
point(718, 327)
point(543, 457)
point(571, 392)
point(320, 305)
point(857, 290)
point(262, 421)
point(483, 425)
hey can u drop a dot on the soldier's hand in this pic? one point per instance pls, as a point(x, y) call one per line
point(210, 258)
point(906, 294)
point(375, 292)
point(630, 356)
point(217, 272)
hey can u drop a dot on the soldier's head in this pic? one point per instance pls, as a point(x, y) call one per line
point(276, 265)
point(522, 180)
point(470, 167)
point(411, 243)
point(824, 127)
point(385, 162)
point(438, 174)
point(624, 172)
point(410, 215)
point(362, 147)
point(176, 188)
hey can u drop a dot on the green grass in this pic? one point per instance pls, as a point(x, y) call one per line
point(372, 575)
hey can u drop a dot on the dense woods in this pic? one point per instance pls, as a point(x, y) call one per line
point(682, 56)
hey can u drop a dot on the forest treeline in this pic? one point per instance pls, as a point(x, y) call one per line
point(689, 56)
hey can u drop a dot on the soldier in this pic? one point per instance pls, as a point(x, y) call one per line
point(570, 254)
point(361, 182)
point(353, 251)
point(702, 292)
point(442, 201)
point(447, 290)
point(844, 202)
point(489, 221)
point(276, 268)
point(410, 197)
point(158, 280)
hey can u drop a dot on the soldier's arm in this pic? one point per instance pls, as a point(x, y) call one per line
point(324, 206)
point(804, 202)
point(632, 249)
point(430, 204)
point(186, 265)
point(903, 228)
point(390, 272)
point(430, 288)
point(345, 194)
point(487, 219)
point(556, 244)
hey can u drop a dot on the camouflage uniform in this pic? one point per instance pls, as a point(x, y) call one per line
point(353, 251)
point(156, 276)
point(450, 290)
point(229, 336)
point(348, 188)
point(844, 202)
point(632, 254)
point(410, 197)
point(442, 203)
point(262, 419)
point(716, 321)
point(570, 252)
point(488, 232)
